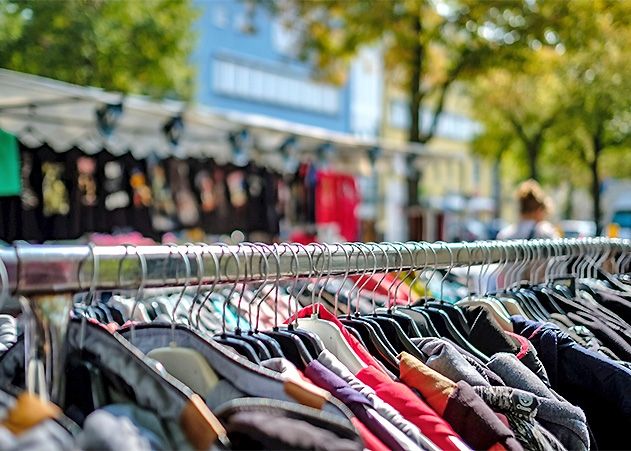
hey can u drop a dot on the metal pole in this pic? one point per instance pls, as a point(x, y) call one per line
point(47, 269)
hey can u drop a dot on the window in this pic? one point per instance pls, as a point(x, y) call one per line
point(253, 82)
point(245, 21)
point(220, 16)
point(284, 39)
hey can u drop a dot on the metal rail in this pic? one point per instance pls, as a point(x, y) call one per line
point(47, 269)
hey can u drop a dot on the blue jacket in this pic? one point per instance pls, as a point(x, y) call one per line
point(601, 387)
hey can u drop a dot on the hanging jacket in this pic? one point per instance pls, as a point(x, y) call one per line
point(596, 384)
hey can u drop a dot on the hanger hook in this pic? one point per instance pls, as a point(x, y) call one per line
point(347, 260)
point(141, 290)
point(329, 270)
point(464, 245)
point(120, 265)
point(311, 269)
point(398, 253)
point(242, 286)
point(233, 286)
point(497, 267)
point(93, 278)
point(213, 284)
point(199, 259)
point(451, 266)
point(296, 274)
point(264, 270)
point(318, 272)
point(91, 291)
point(362, 281)
point(201, 275)
point(419, 269)
point(432, 273)
point(378, 270)
point(486, 256)
point(408, 273)
point(386, 270)
point(276, 256)
point(187, 280)
point(365, 249)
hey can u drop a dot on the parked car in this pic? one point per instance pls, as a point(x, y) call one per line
point(572, 228)
point(621, 220)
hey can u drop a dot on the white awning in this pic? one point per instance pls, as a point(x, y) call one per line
point(63, 115)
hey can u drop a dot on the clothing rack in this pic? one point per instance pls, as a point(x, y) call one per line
point(47, 275)
point(48, 269)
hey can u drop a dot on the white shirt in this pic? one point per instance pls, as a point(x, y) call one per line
point(528, 229)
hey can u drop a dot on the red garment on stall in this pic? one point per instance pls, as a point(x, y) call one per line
point(337, 200)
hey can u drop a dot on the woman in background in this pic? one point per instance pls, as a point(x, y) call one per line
point(534, 207)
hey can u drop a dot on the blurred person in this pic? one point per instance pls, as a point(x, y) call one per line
point(534, 208)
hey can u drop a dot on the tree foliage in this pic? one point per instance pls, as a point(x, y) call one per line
point(582, 96)
point(518, 108)
point(428, 44)
point(129, 46)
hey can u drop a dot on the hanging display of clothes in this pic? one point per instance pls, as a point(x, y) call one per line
point(68, 194)
point(322, 363)
point(65, 195)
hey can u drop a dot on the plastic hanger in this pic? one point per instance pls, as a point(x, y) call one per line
point(421, 318)
point(241, 346)
point(257, 345)
point(455, 314)
point(292, 346)
point(409, 327)
point(185, 364)
point(311, 341)
point(397, 337)
point(270, 344)
point(441, 321)
point(330, 335)
point(487, 301)
point(370, 334)
point(94, 351)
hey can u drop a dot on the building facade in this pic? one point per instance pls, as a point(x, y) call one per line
point(247, 61)
point(457, 189)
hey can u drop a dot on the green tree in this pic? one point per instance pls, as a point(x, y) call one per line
point(593, 127)
point(129, 46)
point(518, 108)
point(597, 116)
point(428, 44)
point(569, 107)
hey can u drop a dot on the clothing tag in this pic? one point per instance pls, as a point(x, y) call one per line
point(525, 404)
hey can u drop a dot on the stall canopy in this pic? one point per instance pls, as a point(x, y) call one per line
point(65, 115)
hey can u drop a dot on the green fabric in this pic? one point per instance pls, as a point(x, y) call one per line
point(10, 183)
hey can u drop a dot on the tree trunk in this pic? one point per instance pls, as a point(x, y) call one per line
point(568, 208)
point(414, 88)
point(593, 166)
point(532, 151)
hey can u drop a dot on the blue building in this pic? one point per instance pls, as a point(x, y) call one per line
point(247, 62)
